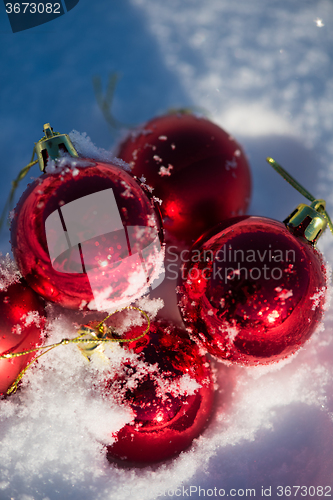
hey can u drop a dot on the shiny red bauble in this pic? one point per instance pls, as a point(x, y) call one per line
point(252, 292)
point(196, 168)
point(170, 390)
point(22, 320)
point(87, 236)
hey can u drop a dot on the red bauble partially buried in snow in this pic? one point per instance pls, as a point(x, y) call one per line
point(170, 390)
point(86, 235)
point(252, 292)
point(22, 319)
point(196, 168)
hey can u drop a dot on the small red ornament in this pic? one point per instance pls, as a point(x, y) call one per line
point(22, 319)
point(85, 234)
point(170, 390)
point(254, 289)
point(198, 170)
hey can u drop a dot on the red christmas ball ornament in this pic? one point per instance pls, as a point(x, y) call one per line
point(85, 234)
point(254, 288)
point(196, 168)
point(170, 390)
point(22, 319)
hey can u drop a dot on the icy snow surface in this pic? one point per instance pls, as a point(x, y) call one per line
point(263, 71)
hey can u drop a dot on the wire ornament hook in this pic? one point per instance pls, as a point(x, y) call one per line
point(296, 185)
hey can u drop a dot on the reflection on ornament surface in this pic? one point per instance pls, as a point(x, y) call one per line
point(196, 168)
point(87, 236)
point(252, 293)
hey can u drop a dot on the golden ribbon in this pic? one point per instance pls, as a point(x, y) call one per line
point(100, 334)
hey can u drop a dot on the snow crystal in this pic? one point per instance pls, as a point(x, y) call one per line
point(317, 297)
point(165, 171)
point(319, 22)
point(31, 317)
point(147, 186)
point(157, 200)
point(67, 164)
point(185, 385)
point(231, 164)
point(151, 306)
point(9, 272)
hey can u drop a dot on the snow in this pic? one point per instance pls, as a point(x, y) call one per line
point(263, 71)
point(86, 149)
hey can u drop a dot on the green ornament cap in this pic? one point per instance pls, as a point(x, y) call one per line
point(53, 145)
point(308, 221)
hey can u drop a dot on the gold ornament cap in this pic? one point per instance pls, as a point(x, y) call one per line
point(308, 220)
point(52, 145)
